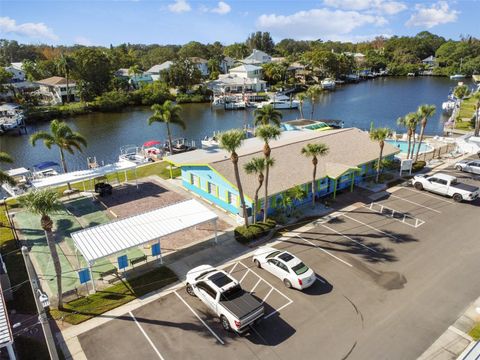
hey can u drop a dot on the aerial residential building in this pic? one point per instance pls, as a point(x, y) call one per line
point(54, 91)
point(257, 57)
point(18, 75)
point(156, 70)
point(240, 79)
point(352, 156)
point(430, 61)
point(247, 71)
point(226, 64)
point(201, 64)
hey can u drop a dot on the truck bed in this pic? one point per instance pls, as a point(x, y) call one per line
point(241, 304)
point(465, 187)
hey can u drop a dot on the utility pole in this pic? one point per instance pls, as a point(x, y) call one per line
point(41, 300)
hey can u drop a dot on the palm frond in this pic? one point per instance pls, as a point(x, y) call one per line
point(231, 140)
point(5, 178)
point(41, 202)
point(267, 132)
point(42, 135)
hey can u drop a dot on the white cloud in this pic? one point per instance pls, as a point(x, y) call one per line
point(82, 40)
point(31, 30)
point(317, 23)
point(428, 17)
point(375, 6)
point(179, 6)
point(222, 8)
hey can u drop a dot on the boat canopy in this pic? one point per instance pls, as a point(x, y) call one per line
point(45, 165)
point(151, 143)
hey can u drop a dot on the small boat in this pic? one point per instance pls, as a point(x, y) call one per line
point(448, 106)
point(340, 82)
point(352, 78)
point(411, 74)
point(11, 117)
point(180, 146)
point(328, 84)
point(45, 169)
point(235, 105)
point(22, 178)
point(457, 77)
point(134, 154)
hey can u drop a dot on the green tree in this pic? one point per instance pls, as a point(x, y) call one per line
point(5, 77)
point(183, 73)
point(297, 194)
point(63, 137)
point(256, 166)
point(236, 50)
point(301, 99)
point(230, 141)
point(45, 203)
point(460, 91)
point(168, 113)
point(409, 122)
point(274, 72)
point(267, 114)
point(379, 135)
point(194, 49)
point(477, 113)
point(314, 151)
point(267, 133)
point(313, 93)
point(424, 112)
point(4, 177)
point(260, 41)
point(65, 65)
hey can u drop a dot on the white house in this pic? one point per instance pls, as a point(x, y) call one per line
point(201, 64)
point(232, 83)
point(155, 70)
point(257, 57)
point(226, 64)
point(430, 61)
point(18, 75)
point(247, 71)
point(54, 90)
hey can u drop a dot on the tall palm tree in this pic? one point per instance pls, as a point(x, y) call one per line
point(314, 151)
point(4, 177)
point(380, 134)
point(230, 141)
point(267, 114)
point(62, 136)
point(313, 92)
point(409, 122)
point(424, 112)
point(267, 133)
point(301, 99)
point(256, 166)
point(65, 65)
point(45, 203)
point(168, 113)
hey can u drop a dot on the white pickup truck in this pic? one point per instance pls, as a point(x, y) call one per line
point(236, 308)
point(446, 185)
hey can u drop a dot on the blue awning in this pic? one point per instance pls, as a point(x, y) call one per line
point(45, 165)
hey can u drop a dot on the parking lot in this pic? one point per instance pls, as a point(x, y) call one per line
point(392, 275)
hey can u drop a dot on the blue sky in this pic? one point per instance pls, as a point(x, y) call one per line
point(179, 21)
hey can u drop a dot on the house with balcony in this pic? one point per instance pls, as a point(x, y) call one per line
point(257, 57)
point(352, 157)
point(54, 91)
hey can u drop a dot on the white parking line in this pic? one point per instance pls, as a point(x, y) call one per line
point(430, 195)
point(255, 286)
point(415, 203)
point(146, 337)
point(268, 294)
point(371, 227)
point(244, 276)
point(278, 310)
point(347, 237)
point(198, 317)
point(233, 268)
point(325, 251)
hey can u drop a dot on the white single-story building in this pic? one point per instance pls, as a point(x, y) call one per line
point(54, 90)
point(257, 57)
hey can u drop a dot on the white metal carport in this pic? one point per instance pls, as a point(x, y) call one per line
point(117, 236)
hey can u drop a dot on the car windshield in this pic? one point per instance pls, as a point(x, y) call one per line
point(273, 254)
point(204, 273)
point(285, 257)
point(232, 293)
point(300, 268)
point(220, 279)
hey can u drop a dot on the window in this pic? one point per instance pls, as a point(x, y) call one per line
point(286, 257)
point(207, 289)
point(300, 269)
point(282, 266)
point(232, 198)
point(220, 279)
point(273, 254)
point(213, 189)
point(195, 180)
point(442, 182)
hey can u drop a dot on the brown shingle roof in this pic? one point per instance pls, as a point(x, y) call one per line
point(55, 80)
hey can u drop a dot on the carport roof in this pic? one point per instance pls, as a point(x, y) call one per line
point(5, 329)
point(108, 239)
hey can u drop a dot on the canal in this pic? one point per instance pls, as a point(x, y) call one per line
point(381, 100)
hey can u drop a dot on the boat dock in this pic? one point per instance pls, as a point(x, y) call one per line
point(11, 118)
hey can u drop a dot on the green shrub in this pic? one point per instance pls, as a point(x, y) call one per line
point(192, 98)
point(244, 235)
point(417, 166)
point(112, 101)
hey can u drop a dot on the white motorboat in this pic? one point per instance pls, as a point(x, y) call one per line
point(280, 102)
point(328, 84)
point(235, 105)
point(133, 154)
point(22, 178)
point(448, 106)
point(11, 117)
point(457, 77)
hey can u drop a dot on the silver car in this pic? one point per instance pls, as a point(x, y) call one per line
point(471, 166)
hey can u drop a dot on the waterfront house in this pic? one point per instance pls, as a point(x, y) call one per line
point(352, 157)
point(201, 64)
point(232, 83)
point(122, 73)
point(138, 80)
point(257, 57)
point(156, 70)
point(18, 75)
point(247, 71)
point(53, 90)
point(430, 61)
point(226, 64)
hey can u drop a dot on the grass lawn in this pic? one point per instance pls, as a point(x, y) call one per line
point(157, 168)
point(85, 308)
point(467, 108)
point(475, 332)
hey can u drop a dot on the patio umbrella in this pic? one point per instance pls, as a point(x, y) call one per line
point(151, 143)
point(45, 165)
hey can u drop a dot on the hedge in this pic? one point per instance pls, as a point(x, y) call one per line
point(417, 166)
point(244, 235)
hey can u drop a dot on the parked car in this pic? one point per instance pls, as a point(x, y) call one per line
point(222, 294)
point(471, 166)
point(446, 185)
point(287, 267)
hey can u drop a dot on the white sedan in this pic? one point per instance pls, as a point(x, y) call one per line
point(287, 267)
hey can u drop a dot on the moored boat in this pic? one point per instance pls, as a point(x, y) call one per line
point(328, 84)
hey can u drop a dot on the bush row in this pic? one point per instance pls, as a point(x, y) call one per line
point(244, 234)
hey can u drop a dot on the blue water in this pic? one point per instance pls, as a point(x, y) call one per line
point(403, 146)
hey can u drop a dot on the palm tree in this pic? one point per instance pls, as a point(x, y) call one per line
point(257, 166)
point(4, 177)
point(313, 93)
point(314, 151)
point(409, 122)
point(424, 112)
point(62, 136)
point(476, 96)
point(379, 134)
point(267, 114)
point(45, 203)
point(267, 133)
point(65, 64)
point(301, 99)
point(296, 194)
point(230, 141)
point(168, 113)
